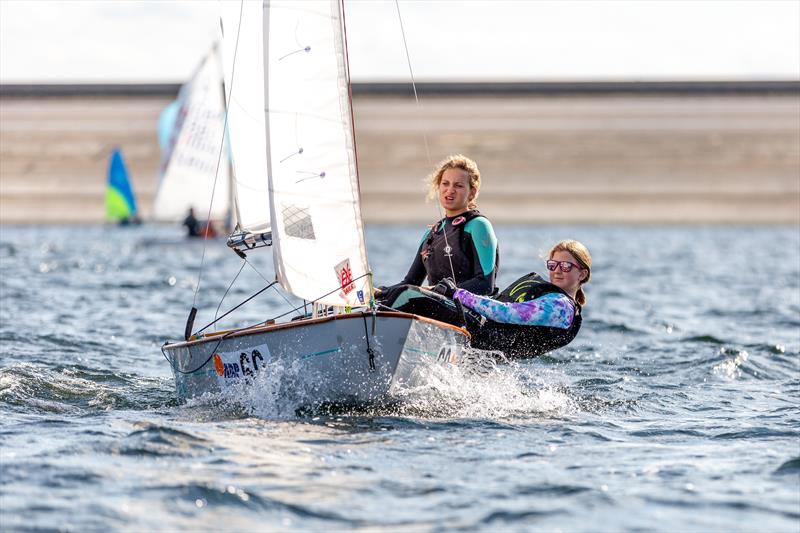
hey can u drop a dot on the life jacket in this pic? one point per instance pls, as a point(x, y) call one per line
point(516, 340)
point(445, 243)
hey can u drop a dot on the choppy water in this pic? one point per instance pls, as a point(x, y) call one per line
point(676, 408)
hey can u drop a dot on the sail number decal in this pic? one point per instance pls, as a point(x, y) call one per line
point(345, 275)
point(236, 365)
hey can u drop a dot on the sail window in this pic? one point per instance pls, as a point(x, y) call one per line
point(297, 222)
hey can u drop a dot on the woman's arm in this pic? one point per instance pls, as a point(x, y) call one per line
point(484, 255)
point(552, 309)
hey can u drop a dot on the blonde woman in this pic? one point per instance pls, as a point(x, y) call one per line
point(462, 245)
point(532, 316)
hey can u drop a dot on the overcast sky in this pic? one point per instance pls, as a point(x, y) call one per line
point(162, 40)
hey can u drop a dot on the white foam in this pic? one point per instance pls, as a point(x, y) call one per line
point(484, 388)
point(731, 368)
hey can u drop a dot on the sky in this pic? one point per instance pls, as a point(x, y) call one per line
point(67, 41)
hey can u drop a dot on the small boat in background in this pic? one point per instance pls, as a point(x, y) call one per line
point(120, 200)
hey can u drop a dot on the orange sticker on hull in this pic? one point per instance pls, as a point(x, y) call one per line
point(218, 366)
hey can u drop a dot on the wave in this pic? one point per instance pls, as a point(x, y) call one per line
point(504, 519)
point(75, 389)
point(547, 490)
point(155, 440)
point(708, 339)
point(792, 466)
point(605, 326)
point(757, 434)
point(190, 497)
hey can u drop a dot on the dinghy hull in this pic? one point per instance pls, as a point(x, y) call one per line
point(349, 358)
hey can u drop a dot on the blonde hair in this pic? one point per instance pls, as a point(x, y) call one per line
point(456, 161)
point(582, 256)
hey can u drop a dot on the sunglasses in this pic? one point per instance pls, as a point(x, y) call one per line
point(565, 266)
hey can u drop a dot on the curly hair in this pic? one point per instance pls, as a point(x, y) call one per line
point(456, 161)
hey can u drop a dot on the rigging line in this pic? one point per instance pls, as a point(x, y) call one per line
point(258, 324)
point(312, 301)
point(204, 363)
point(285, 299)
point(425, 137)
point(413, 82)
point(232, 309)
point(227, 290)
point(219, 155)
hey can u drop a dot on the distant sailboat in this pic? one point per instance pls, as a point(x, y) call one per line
point(120, 200)
point(190, 129)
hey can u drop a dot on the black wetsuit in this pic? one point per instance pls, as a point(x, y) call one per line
point(192, 226)
point(516, 340)
point(464, 245)
point(513, 339)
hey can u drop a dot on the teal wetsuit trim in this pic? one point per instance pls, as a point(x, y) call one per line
point(485, 241)
point(424, 236)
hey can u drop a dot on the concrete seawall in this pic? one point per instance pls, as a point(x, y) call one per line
point(638, 156)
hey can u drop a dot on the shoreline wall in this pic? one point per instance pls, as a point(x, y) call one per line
point(670, 152)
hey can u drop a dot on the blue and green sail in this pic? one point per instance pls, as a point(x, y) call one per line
point(120, 201)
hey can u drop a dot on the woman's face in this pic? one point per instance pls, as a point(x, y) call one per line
point(568, 281)
point(454, 191)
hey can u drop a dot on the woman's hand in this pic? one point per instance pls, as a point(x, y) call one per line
point(446, 287)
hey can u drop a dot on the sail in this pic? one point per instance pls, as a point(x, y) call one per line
point(317, 230)
point(190, 164)
point(243, 65)
point(120, 201)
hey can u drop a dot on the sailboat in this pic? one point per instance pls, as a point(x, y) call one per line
point(290, 127)
point(192, 161)
point(120, 200)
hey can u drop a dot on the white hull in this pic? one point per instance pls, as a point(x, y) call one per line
point(320, 360)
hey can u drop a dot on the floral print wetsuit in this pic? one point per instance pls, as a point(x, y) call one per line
point(551, 309)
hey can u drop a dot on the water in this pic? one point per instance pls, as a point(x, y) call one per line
point(676, 408)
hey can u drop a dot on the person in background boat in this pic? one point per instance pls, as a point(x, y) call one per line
point(462, 245)
point(194, 228)
point(532, 316)
point(192, 224)
point(133, 220)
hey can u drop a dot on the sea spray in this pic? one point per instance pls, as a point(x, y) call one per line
point(485, 387)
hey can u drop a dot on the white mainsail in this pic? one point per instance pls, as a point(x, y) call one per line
point(189, 165)
point(308, 146)
point(243, 64)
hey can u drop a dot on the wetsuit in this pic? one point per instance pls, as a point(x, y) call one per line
point(192, 225)
point(531, 317)
point(468, 243)
point(464, 245)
